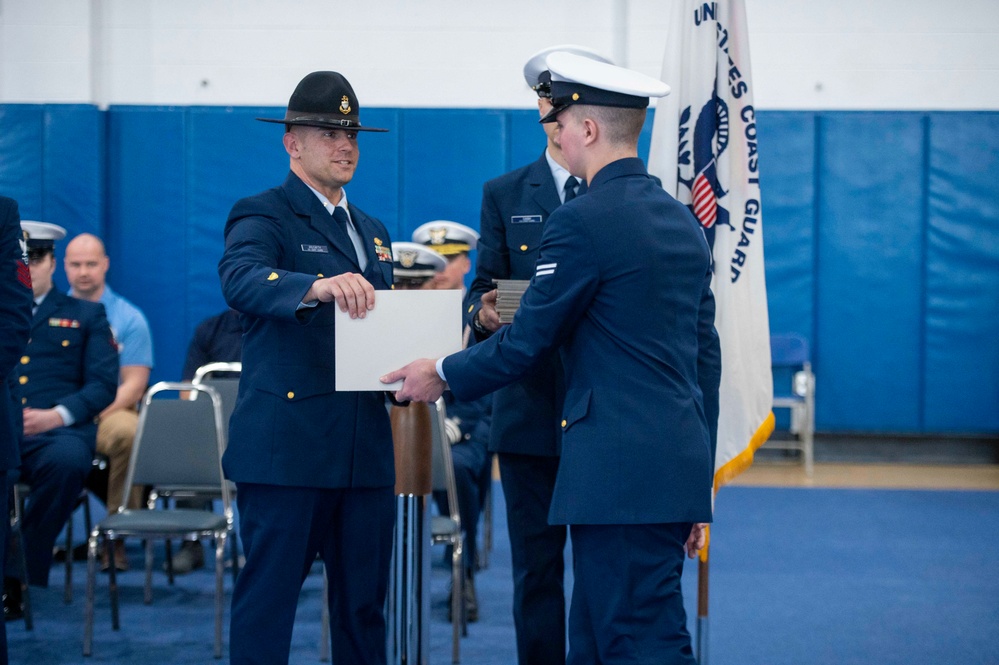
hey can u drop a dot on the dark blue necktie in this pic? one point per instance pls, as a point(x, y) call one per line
point(343, 221)
point(570, 188)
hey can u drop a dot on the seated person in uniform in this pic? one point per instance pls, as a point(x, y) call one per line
point(219, 338)
point(467, 425)
point(67, 376)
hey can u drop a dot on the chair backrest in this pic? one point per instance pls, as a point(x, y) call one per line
point(179, 442)
point(442, 466)
point(789, 350)
point(224, 378)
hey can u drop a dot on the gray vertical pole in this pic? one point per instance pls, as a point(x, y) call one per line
point(409, 626)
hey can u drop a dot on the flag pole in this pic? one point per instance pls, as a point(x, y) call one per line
point(702, 606)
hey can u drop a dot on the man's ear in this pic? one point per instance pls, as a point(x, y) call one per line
point(591, 131)
point(290, 141)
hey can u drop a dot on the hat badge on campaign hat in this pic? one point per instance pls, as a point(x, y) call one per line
point(325, 100)
point(536, 69)
point(446, 237)
point(41, 236)
point(579, 80)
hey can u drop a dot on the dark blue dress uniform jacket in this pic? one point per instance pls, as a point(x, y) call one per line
point(622, 283)
point(15, 324)
point(289, 426)
point(71, 360)
point(515, 209)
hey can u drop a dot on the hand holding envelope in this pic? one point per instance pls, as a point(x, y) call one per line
point(420, 381)
point(405, 326)
point(353, 294)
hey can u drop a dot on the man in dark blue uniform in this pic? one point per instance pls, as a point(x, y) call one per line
point(525, 432)
point(622, 285)
point(313, 467)
point(15, 324)
point(67, 376)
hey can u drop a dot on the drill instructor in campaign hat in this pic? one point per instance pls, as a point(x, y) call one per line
point(313, 467)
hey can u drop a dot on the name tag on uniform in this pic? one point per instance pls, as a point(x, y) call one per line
point(318, 249)
point(525, 219)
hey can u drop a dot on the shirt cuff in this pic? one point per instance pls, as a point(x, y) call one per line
point(440, 369)
point(67, 417)
point(307, 305)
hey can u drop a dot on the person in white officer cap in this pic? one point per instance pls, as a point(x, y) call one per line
point(622, 285)
point(66, 377)
point(415, 265)
point(454, 241)
point(525, 435)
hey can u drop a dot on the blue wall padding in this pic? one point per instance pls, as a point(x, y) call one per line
point(148, 228)
point(74, 179)
point(869, 300)
point(376, 187)
point(229, 155)
point(787, 180)
point(22, 157)
point(882, 229)
point(53, 156)
point(962, 274)
point(525, 139)
point(446, 156)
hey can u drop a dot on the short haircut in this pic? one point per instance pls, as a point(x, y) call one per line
point(621, 125)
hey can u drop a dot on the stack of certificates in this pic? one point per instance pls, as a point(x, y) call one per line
point(508, 294)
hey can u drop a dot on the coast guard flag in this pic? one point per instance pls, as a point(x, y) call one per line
point(704, 150)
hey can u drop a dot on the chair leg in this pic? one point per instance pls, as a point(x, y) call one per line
point(88, 612)
point(169, 561)
point(219, 575)
point(67, 593)
point(324, 621)
point(457, 599)
point(487, 526)
point(112, 582)
point(234, 548)
point(29, 623)
point(147, 594)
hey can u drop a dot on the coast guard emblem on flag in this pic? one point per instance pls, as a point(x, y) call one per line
point(704, 149)
point(709, 141)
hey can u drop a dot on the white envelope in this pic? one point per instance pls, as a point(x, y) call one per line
point(403, 326)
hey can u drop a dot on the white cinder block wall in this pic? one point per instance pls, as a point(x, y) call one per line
point(807, 54)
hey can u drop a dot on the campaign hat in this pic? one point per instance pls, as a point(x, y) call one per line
point(536, 68)
point(579, 80)
point(40, 237)
point(325, 100)
point(446, 237)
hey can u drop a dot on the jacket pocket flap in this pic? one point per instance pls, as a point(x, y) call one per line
point(576, 408)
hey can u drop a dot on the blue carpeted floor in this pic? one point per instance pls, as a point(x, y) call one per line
point(798, 576)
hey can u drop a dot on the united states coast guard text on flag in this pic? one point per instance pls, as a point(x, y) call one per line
point(704, 149)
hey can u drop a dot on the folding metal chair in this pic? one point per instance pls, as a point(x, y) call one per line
point(794, 389)
point(446, 529)
point(179, 443)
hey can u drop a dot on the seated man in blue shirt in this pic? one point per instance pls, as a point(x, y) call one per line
point(86, 267)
